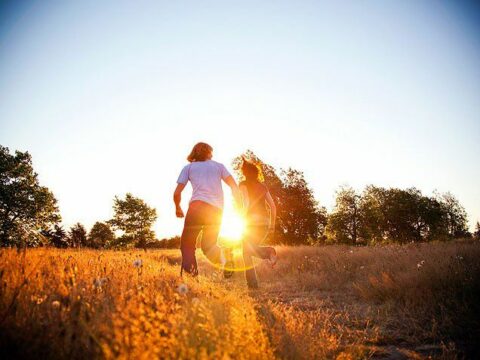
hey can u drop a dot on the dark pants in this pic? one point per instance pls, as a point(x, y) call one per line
point(255, 234)
point(205, 218)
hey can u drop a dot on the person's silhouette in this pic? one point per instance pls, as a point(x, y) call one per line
point(205, 209)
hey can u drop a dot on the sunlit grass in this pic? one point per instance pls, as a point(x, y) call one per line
point(92, 304)
point(318, 302)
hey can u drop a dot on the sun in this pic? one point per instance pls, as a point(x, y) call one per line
point(233, 226)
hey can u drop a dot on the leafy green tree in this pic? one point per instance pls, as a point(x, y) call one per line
point(476, 234)
point(392, 214)
point(344, 222)
point(172, 243)
point(400, 215)
point(77, 236)
point(300, 219)
point(26, 207)
point(101, 236)
point(303, 220)
point(455, 215)
point(373, 215)
point(56, 236)
point(135, 218)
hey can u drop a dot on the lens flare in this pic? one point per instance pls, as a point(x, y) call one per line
point(233, 227)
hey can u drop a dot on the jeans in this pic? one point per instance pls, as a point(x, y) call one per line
point(205, 218)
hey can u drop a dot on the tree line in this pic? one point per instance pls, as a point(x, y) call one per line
point(29, 214)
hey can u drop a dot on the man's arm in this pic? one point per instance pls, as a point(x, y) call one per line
point(177, 198)
point(237, 195)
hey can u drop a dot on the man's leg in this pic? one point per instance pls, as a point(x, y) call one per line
point(191, 229)
point(211, 229)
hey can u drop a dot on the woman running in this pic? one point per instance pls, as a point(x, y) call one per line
point(260, 222)
point(205, 208)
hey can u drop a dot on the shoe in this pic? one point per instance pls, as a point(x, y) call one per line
point(272, 258)
point(229, 264)
point(228, 270)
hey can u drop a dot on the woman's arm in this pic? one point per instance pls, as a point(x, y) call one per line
point(273, 211)
point(246, 200)
point(177, 198)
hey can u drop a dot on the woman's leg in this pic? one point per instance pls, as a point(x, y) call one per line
point(191, 229)
point(250, 273)
point(254, 236)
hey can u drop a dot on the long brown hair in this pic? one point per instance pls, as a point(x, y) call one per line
point(251, 171)
point(200, 152)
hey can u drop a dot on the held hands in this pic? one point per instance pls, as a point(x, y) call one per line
point(179, 212)
point(239, 207)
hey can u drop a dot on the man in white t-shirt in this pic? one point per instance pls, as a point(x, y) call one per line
point(205, 207)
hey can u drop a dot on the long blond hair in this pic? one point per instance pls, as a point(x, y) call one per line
point(200, 152)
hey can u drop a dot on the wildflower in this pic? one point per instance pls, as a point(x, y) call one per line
point(420, 264)
point(38, 299)
point(195, 301)
point(182, 289)
point(100, 282)
point(56, 304)
point(138, 263)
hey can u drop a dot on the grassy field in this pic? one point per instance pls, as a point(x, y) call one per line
point(412, 301)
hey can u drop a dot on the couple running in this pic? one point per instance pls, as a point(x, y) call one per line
point(205, 212)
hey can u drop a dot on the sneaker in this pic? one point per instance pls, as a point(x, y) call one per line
point(229, 264)
point(272, 258)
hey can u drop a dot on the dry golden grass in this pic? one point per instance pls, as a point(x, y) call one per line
point(79, 304)
point(413, 301)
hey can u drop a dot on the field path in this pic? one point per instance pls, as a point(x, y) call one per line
point(303, 322)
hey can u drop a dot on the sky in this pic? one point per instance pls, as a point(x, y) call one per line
point(110, 96)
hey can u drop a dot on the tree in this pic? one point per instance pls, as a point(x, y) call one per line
point(303, 220)
point(400, 215)
point(300, 219)
point(344, 222)
point(78, 236)
point(476, 234)
point(455, 215)
point(100, 236)
point(373, 214)
point(135, 218)
point(25, 206)
point(56, 236)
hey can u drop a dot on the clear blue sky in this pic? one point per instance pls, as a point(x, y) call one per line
point(109, 96)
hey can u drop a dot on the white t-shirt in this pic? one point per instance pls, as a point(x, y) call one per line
point(206, 178)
